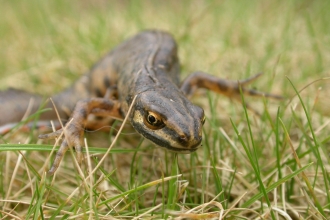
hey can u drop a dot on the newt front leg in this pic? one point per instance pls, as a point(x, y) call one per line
point(226, 87)
point(74, 131)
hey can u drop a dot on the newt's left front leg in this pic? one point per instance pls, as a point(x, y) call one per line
point(74, 131)
point(226, 87)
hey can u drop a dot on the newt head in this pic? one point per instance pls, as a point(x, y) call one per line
point(171, 122)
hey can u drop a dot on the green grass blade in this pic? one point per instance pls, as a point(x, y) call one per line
point(315, 149)
point(252, 155)
point(173, 184)
point(142, 187)
point(309, 186)
point(274, 185)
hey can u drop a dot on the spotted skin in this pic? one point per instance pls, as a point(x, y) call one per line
point(146, 66)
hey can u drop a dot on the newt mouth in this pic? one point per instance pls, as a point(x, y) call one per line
point(192, 149)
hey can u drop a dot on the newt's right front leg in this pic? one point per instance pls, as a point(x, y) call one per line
point(74, 131)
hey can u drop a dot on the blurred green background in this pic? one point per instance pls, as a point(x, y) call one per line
point(51, 42)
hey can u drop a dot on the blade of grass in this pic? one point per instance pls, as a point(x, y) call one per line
point(315, 148)
point(40, 192)
point(173, 184)
point(142, 187)
point(253, 156)
point(309, 186)
point(274, 185)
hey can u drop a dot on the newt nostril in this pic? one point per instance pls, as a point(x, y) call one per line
point(183, 139)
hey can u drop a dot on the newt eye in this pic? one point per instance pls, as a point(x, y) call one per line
point(153, 121)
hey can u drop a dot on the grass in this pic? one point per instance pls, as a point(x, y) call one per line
point(275, 166)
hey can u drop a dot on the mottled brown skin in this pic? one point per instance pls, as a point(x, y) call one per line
point(145, 66)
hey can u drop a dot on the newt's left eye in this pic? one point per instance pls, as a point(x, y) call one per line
point(153, 121)
point(203, 120)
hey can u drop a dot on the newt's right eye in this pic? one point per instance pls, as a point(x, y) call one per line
point(153, 121)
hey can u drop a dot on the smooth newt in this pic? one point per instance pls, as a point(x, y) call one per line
point(146, 66)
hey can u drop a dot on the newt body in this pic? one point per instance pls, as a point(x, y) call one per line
point(145, 66)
